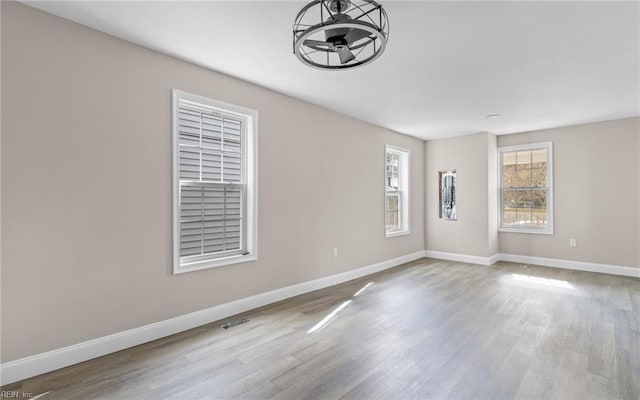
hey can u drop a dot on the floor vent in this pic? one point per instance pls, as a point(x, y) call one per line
point(234, 323)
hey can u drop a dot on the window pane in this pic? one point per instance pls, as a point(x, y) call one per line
point(399, 210)
point(188, 127)
point(214, 233)
point(523, 212)
point(392, 220)
point(523, 159)
point(539, 217)
point(392, 202)
point(539, 177)
point(231, 134)
point(539, 210)
point(523, 216)
point(509, 207)
point(524, 177)
point(509, 158)
point(524, 199)
point(509, 176)
point(539, 158)
point(392, 170)
point(211, 131)
point(539, 199)
point(232, 234)
point(213, 206)
point(211, 160)
point(392, 214)
point(509, 199)
point(189, 163)
point(232, 167)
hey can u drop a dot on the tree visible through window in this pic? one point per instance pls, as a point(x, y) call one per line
point(525, 188)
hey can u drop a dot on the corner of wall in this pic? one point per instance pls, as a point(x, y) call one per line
point(425, 181)
point(611, 235)
point(473, 157)
point(492, 190)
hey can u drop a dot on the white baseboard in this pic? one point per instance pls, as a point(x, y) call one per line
point(494, 259)
point(546, 262)
point(460, 257)
point(569, 264)
point(55, 359)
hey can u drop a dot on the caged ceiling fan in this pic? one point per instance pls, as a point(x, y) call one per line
point(340, 34)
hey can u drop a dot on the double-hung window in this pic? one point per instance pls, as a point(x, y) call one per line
point(396, 200)
point(526, 188)
point(214, 183)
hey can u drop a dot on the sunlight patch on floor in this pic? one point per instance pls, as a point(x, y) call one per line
point(335, 312)
point(542, 281)
point(328, 318)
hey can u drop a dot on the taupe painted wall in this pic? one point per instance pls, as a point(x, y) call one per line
point(86, 187)
point(474, 233)
point(596, 194)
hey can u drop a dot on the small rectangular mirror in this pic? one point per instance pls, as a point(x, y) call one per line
point(448, 209)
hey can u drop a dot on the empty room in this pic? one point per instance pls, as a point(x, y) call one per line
point(320, 199)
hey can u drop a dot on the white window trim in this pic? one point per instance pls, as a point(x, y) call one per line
point(251, 149)
point(404, 177)
point(545, 230)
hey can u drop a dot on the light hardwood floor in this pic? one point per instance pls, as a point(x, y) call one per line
point(429, 329)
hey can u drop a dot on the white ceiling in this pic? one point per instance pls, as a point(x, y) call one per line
point(446, 67)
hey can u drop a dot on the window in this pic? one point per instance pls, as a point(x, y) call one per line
point(214, 183)
point(396, 200)
point(526, 188)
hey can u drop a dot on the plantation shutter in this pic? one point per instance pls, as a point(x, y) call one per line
point(211, 183)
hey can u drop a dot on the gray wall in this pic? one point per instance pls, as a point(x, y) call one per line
point(86, 187)
point(474, 233)
point(596, 194)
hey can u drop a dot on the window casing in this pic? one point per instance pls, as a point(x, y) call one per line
point(214, 183)
point(526, 188)
point(396, 182)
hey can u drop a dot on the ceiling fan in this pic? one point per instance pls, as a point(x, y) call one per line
point(340, 34)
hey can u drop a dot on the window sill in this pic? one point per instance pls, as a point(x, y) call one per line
point(218, 262)
point(394, 234)
point(535, 231)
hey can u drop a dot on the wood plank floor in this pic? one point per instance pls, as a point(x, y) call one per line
point(429, 329)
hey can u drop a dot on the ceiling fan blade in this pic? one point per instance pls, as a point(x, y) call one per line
point(344, 53)
point(356, 34)
point(317, 43)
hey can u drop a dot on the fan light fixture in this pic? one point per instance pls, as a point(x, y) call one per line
point(340, 34)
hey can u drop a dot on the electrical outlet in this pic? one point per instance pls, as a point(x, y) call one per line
point(335, 252)
point(572, 243)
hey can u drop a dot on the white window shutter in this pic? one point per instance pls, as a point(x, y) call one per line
point(211, 182)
